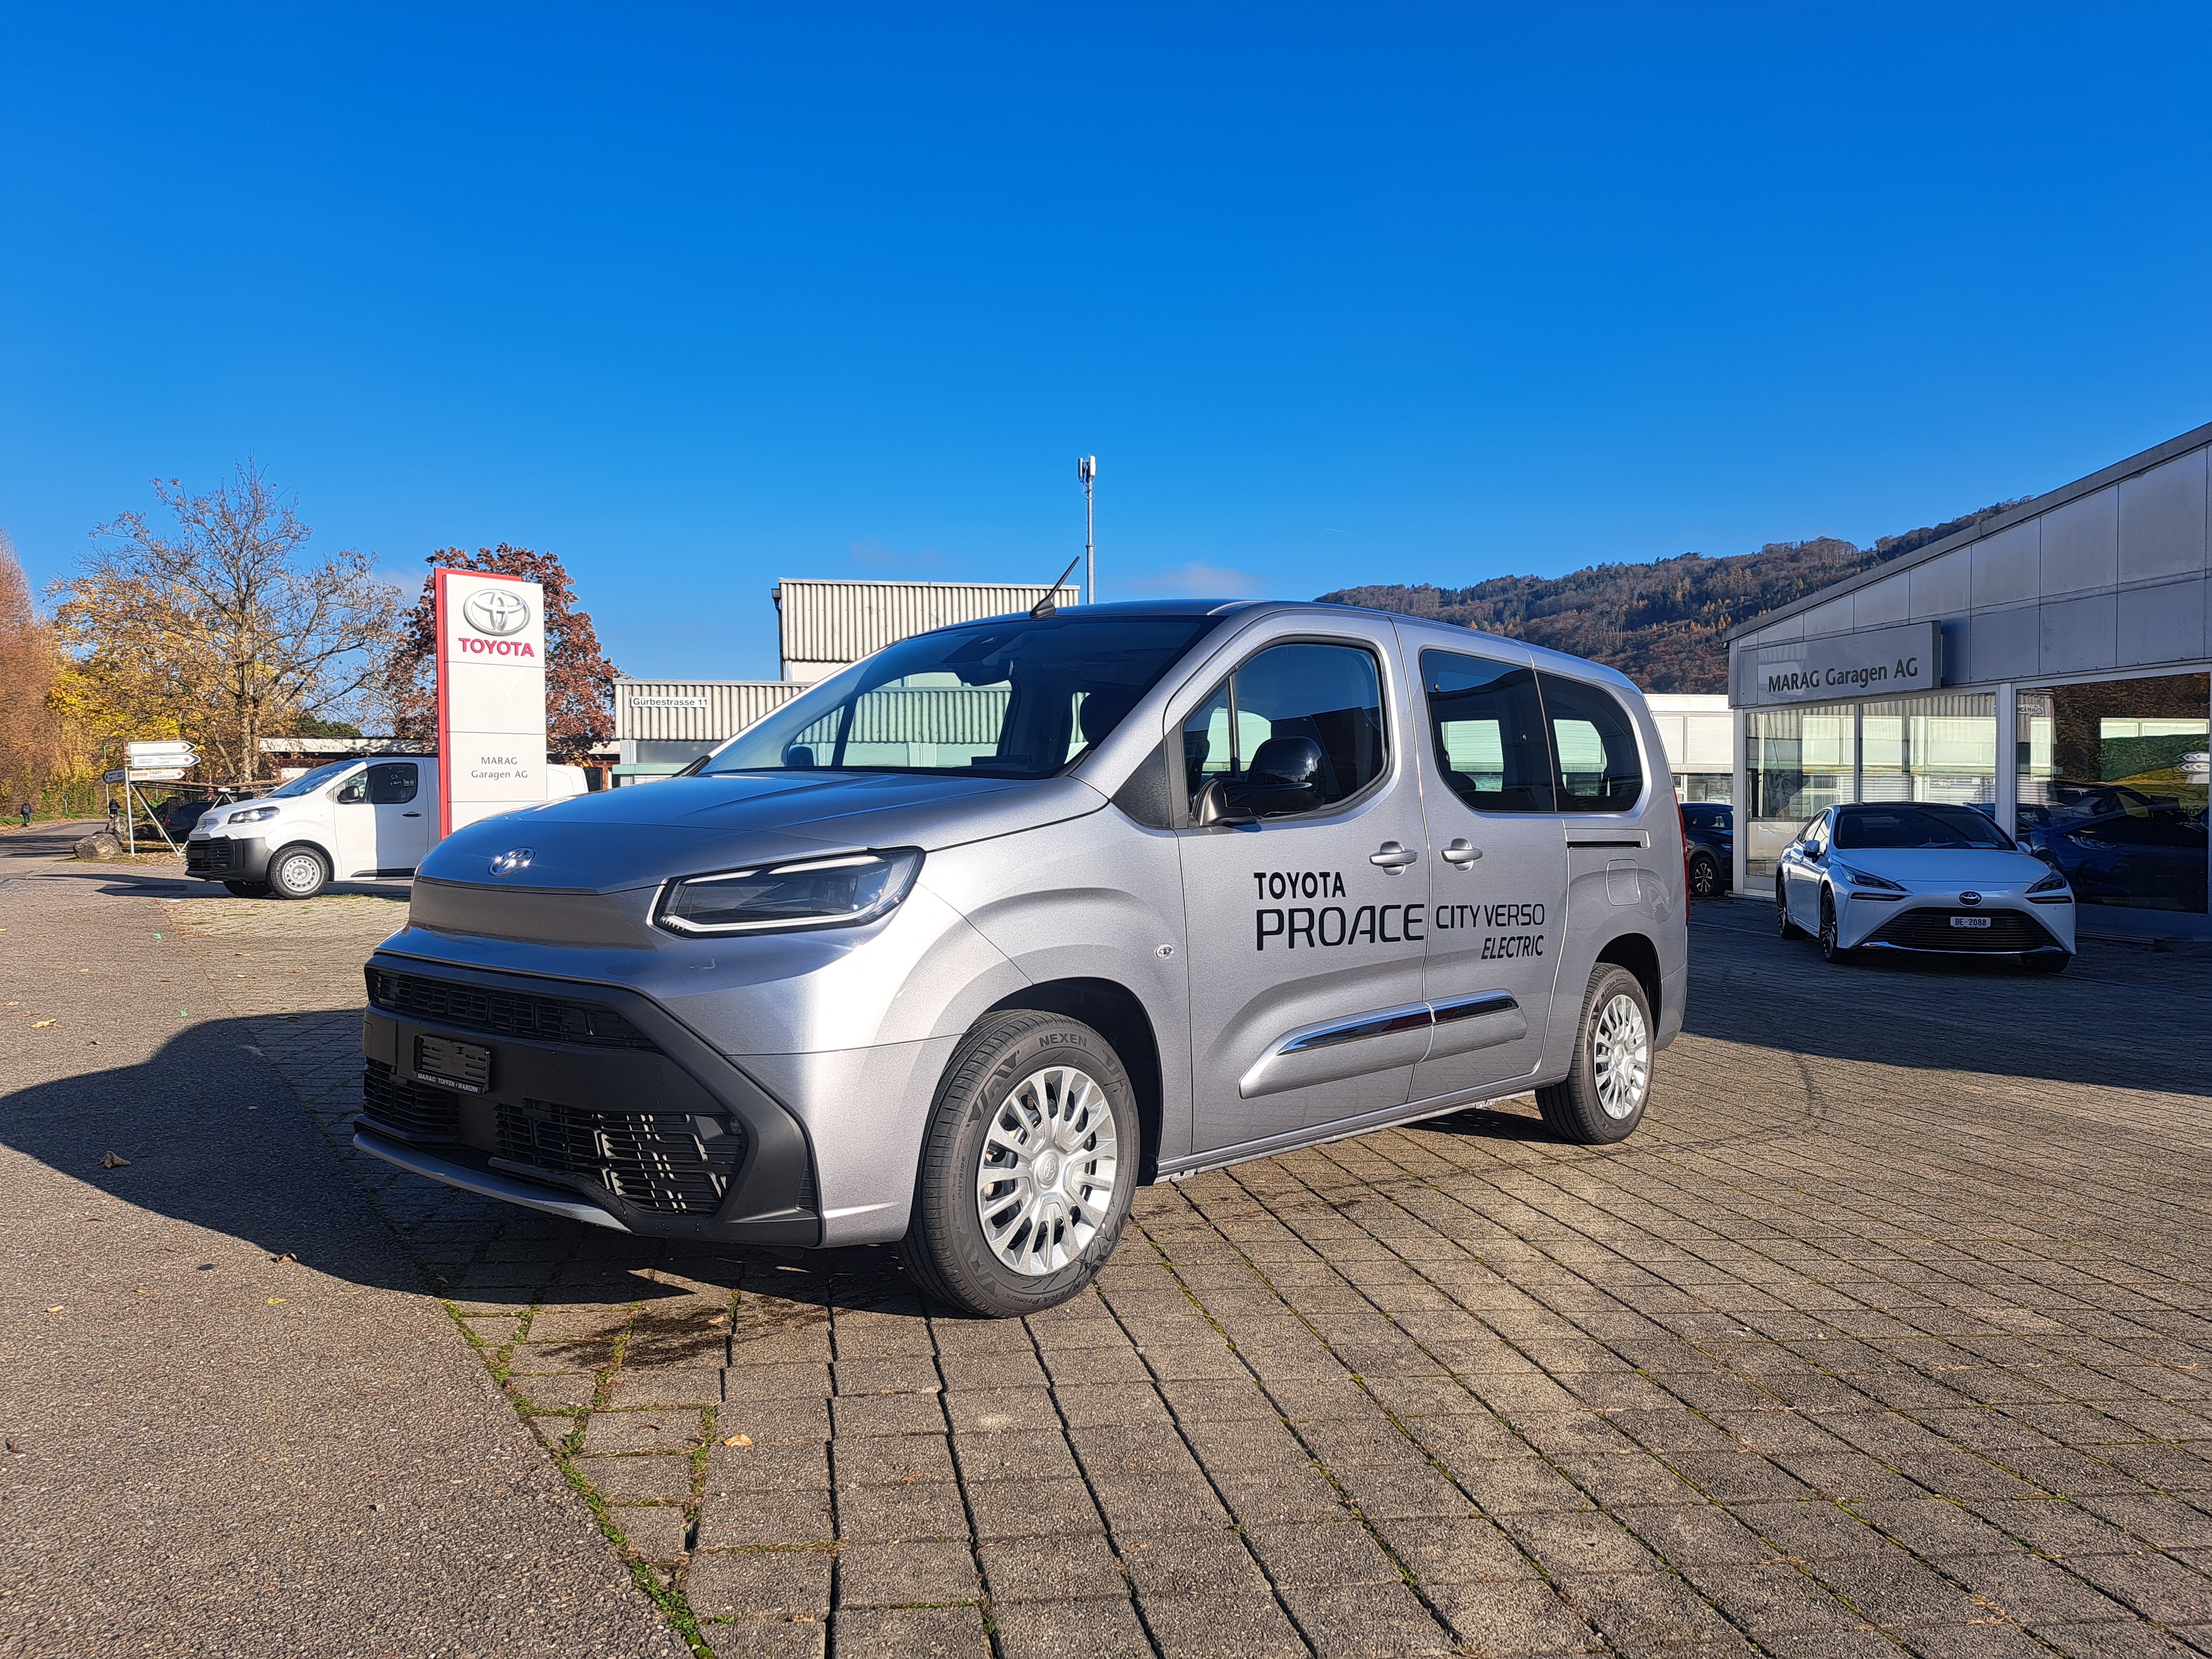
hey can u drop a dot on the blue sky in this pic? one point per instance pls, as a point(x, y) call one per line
point(699, 297)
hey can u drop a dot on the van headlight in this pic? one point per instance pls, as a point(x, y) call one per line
point(833, 892)
point(253, 815)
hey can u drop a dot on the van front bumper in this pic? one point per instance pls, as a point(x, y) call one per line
point(584, 1100)
point(227, 858)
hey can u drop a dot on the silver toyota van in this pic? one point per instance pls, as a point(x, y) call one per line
point(965, 944)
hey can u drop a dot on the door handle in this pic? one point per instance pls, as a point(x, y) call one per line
point(1392, 857)
point(1461, 852)
point(417, 815)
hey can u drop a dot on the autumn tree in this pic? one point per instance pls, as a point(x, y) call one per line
point(30, 737)
point(579, 682)
point(221, 629)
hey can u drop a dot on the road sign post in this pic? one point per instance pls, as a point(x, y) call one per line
point(150, 760)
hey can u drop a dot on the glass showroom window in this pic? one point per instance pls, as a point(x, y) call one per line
point(2113, 781)
point(1800, 762)
point(1693, 787)
point(1941, 748)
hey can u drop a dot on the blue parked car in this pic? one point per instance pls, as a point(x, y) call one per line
point(2119, 846)
point(1711, 827)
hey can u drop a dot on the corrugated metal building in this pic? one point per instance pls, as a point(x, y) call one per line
point(661, 726)
point(1699, 731)
point(828, 625)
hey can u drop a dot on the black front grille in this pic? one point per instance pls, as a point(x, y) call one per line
point(655, 1160)
point(557, 1019)
point(1932, 930)
point(210, 858)
point(410, 1111)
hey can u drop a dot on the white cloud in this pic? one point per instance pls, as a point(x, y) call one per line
point(1196, 581)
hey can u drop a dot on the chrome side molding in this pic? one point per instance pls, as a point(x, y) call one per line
point(1389, 1036)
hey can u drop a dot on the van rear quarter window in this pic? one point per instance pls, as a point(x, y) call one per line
point(1510, 739)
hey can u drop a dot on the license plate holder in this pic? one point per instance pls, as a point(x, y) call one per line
point(1969, 921)
point(463, 1067)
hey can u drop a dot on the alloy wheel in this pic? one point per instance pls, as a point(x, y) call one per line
point(1045, 1181)
point(1620, 1056)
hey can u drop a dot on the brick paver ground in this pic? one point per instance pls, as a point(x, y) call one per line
point(1889, 1331)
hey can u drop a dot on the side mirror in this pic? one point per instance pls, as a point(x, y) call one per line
point(799, 757)
point(1226, 800)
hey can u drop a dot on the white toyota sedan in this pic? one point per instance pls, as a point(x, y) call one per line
point(1921, 878)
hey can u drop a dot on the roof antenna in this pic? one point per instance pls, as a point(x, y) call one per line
point(1045, 607)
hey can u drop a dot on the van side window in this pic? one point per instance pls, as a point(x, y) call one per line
point(391, 785)
point(1488, 724)
point(1594, 746)
point(1302, 720)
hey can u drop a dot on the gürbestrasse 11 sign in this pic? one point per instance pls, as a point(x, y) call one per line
point(491, 695)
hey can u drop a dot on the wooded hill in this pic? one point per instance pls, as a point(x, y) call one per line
point(1660, 624)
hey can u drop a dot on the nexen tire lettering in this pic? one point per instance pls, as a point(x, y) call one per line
point(1330, 926)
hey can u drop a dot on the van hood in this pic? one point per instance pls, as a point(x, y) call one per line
point(644, 834)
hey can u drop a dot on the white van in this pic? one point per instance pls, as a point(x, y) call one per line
point(353, 820)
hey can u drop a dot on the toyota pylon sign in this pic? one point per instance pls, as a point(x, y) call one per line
point(491, 695)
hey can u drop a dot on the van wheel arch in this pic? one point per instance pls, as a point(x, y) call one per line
point(1636, 953)
point(1117, 1014)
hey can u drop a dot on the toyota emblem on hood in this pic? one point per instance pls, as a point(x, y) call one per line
point(512, 861)
point(496, 612)
point(1964, 898)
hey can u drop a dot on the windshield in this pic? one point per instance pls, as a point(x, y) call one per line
point(1017, 698)
point(307, 782)
point(1869, 828)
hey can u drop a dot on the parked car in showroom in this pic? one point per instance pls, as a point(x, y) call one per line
point(966, 943)
point(1921, 878)
point(1711, 827)
point(2116, 845)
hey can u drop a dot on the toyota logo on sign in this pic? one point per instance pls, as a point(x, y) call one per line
point(496, 612)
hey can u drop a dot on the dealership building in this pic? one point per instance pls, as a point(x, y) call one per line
point(2049, 665)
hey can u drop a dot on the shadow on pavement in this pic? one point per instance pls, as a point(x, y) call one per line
point(2115, 1019)
point(213, 1137)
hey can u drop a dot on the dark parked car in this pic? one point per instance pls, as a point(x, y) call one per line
point(2119, 846)
point(1711, 826)
point(180, 812)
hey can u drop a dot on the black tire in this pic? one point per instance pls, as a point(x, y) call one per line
point(1783, 924)
point(1832, 952)
point(2046, 961)
point(248, 889)
point(945, 1248)
point(1574, 1110)
point(298, 872)
point(1704, 875)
